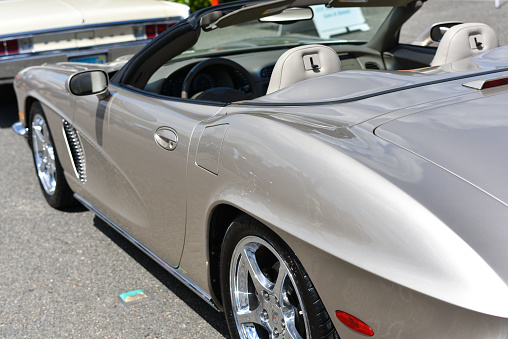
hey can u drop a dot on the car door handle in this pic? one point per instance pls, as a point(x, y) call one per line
point(166, 138)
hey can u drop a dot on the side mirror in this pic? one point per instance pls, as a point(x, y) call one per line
point(438, 30)
point(431, 36)
point(93, 82)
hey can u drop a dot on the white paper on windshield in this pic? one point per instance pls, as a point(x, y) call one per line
point(335, 21)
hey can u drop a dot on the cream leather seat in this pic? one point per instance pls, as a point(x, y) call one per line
point(301, 63)
point(463, 41)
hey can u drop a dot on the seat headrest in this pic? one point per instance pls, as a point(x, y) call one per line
point(463, 41)
point(301, 63)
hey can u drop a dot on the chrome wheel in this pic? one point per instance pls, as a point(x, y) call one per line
point(44, 154)
point(265, 300)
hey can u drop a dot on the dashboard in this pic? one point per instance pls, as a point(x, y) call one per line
point(240, 76)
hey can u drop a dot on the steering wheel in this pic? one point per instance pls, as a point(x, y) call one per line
point(232, 93)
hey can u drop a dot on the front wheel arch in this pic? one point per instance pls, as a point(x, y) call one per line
point(29, 101)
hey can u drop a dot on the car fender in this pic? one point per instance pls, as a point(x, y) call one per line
point(323, 201)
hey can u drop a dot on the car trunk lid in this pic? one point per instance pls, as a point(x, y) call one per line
point(468, 139)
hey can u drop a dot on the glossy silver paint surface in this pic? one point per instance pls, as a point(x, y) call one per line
point(389, 186)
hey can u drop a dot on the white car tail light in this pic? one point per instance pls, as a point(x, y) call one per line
point(154, 30)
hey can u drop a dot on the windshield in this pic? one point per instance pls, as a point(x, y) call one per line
point(329, 25)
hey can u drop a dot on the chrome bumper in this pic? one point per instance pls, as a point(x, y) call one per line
point(20, 129)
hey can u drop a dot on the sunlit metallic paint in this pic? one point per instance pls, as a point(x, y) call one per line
point(152, 211)
point(384, 234)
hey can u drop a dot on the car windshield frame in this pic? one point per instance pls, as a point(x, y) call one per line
point(357, 26)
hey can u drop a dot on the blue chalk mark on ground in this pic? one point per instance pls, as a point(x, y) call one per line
point(132, 296)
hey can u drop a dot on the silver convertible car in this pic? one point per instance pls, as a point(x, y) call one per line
point(296, 166)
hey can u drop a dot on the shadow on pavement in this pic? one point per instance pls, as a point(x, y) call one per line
point(8, 106)
point(214, 318)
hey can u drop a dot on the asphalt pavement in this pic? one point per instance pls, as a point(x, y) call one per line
point(61, 273)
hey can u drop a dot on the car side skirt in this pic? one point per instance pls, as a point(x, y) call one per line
point(173, 270)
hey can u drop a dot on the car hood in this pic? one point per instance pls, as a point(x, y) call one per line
point(27, 16)
point(467, 139)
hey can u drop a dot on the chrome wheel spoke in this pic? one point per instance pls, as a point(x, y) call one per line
point(44, 154)
point(291, 331)
point(278, 288)
point(247, 305)
point(249, 317)
point(261, 283)
point(264, 296)
point(39, 134)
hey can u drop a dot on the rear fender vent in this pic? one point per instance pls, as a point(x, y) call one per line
point(371, 65)
point(75, 151)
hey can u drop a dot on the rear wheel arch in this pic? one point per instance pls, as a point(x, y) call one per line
point(221, 217)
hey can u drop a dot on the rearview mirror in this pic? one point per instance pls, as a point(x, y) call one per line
point(290, 15)
point(432, 35)
point(94, 82)
point(438, 30)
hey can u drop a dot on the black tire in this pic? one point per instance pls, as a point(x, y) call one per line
point(252, 302)
point(48, 169)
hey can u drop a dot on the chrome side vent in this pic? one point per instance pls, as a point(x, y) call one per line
point(75, 151)
point(371, 65)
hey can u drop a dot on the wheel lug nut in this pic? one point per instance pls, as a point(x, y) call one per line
point(276, 333)
point(264, 314)
point(266, 296)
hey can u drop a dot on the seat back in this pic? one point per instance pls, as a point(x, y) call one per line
point(301, 63)
point(463, 41)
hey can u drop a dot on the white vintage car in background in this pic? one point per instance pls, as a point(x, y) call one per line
point(33, 32)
